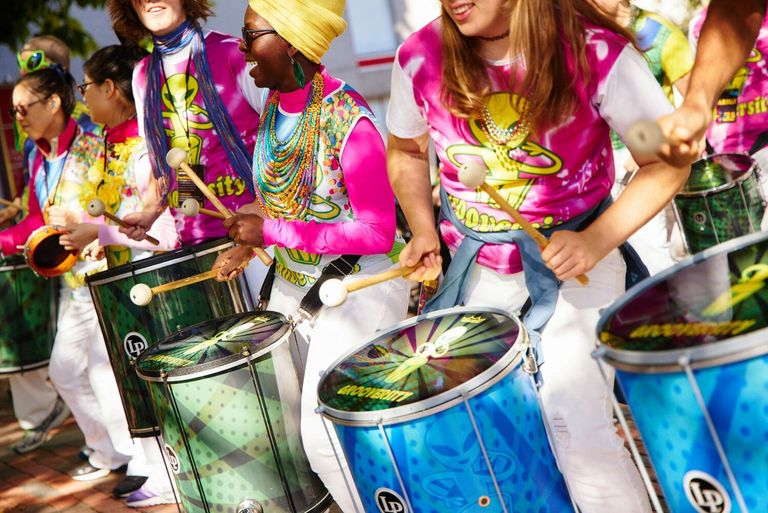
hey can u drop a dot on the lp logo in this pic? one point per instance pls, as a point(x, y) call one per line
point(388, 501)
point(173, 460)
point(705, 493)
point(134, 344)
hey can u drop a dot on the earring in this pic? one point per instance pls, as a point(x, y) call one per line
point(298, 73)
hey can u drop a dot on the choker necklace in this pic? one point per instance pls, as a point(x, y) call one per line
point(494, 38)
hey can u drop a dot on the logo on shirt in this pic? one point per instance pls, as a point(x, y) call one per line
point(179, 93)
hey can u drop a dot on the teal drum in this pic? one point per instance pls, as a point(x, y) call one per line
point(28, 306)
point(130, 329)
point(690, 349)
point(227, 395)
point(440, 413)
point(720, 201)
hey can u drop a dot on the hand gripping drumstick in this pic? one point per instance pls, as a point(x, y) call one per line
point(472, 175)
point(645, 137)
point(177, 158)
point(7, 203)
point(191, 207)
point(96, 208)
point(333, 292)
point(141, 293)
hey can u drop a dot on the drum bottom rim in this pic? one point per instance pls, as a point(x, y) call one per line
point(9, 371)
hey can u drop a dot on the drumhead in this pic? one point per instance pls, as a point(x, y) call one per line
point(213, 346)
point(420, 366)
point(716, 173)
point(709, 309)
point(162, 260)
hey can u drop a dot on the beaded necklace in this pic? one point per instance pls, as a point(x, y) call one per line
point(285, 170)
point(503, 138)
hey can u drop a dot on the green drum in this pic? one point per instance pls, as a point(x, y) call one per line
point(720, 201)
point(130, 329)
point(28, 306)
point(227, 395)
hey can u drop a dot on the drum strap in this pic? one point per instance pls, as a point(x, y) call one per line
point(265, 293)
point(343, 266)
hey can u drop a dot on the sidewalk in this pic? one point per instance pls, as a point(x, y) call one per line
point(37, 482)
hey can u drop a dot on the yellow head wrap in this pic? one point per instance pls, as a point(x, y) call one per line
point(309, 25)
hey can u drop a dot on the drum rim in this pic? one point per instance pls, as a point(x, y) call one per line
point(166, 259)
point(439, 402)
point(632, 294)
point(720, 188)
point(9, 371)
point(184, 374)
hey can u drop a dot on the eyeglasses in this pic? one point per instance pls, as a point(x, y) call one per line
point(23, 110)
point(82, 87)
point(34, 62)
point(251, 35)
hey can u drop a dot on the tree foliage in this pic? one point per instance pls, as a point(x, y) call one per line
point(21, 19)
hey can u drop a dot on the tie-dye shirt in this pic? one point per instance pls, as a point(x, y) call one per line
point(741, 114)
point(188, 125)
point(550, 178)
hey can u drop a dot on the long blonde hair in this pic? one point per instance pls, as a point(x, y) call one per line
point(545, 33)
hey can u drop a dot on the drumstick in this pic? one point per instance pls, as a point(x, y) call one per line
point(472, 175)
point(176, 158)
point(96, 208)
point(191, 207)
point(7, 203)
point(334, 292)
point(141, 293)
point(645, 137)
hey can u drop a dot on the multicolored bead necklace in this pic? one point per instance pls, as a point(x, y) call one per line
point(285, 170)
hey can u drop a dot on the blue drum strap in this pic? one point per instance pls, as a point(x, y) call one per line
point(541, 283)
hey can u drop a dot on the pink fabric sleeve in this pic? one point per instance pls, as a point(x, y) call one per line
point(17, 235)
point(364, 164)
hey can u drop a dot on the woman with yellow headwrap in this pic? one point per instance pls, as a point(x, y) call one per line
point(322, 199)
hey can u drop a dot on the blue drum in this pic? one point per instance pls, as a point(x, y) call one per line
point(690, 351)
point(437, 414)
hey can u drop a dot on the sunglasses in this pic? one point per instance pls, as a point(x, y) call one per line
point(23, 110)
point(34, 62)
point(251, 35)
point(82, 87)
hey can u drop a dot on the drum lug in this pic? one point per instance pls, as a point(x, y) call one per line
point(249, 506)
point(529, 363)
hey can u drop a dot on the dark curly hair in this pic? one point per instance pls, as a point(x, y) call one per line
point(49, 81)
point(115, 63)
point(128, 27)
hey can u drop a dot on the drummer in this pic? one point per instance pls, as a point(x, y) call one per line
point(43, 102)
point(122, 181)
point(192, 93)
point(318, 141)
point(527, 92)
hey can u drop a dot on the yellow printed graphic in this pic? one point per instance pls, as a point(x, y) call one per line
point(696, 329)
point(424, 352)
point(178, 94)
point(751, 282)
point(382, 394)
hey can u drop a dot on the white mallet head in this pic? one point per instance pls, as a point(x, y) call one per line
point(645, 137)
point(190, 207)
point(95, 208)
point(333, 292)
point(141, 294)
point(472, 174)
point(175, 157)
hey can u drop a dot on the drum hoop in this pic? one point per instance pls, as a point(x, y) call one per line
point(728, 351)
point(132, 269)
point(184, 374)
point(720, 188)
point(7, 371)
point(437, 403)
point(640, 288)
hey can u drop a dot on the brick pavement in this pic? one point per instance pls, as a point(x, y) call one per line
point(37, 482)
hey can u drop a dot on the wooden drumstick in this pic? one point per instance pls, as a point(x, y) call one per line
point(334, 292)
point(7, 203)
point(472, 175)
point(96, 208)
point(141, 293)
point(177, 158)
point(191, 207)
point(645, 137)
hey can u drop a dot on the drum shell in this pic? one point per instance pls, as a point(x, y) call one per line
point(45, 255)
point(130, 329)
point(732, 207)
point(677, 437)
point(215, 425)
point(28, 304)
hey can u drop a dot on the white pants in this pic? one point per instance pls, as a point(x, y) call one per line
point(154, 466)
point(81, 372)
point(600, 474)
point(335, 333)
point(33, 397)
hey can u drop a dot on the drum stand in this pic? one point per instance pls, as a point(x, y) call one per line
point(598, 355)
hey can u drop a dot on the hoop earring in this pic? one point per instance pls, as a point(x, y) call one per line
point(298, 73)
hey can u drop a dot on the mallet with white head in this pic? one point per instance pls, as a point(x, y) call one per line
point(96, 208)
point(191, 207)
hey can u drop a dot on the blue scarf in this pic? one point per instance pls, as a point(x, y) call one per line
point(540, 281)
point(189, 32)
